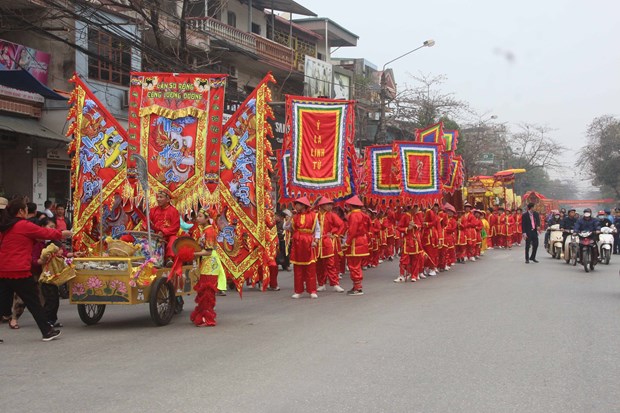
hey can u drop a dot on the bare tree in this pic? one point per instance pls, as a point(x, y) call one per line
point(533, 147)
point(600, 157)
point(425, 103)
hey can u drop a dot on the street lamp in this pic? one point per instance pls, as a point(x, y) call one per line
point(382, 128)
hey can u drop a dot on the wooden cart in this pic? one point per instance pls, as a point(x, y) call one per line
point(102, 281)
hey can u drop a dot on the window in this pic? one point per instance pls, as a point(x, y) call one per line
point(232, 19)
point(256, 28)
point(111, 59)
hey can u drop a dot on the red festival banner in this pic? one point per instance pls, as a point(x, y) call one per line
point(175, 123)
point(456, 176)
point(319, 136)
point(418, 165)
point(380, 174)
point(431, 134)
point(99, 169)
point(247, 240)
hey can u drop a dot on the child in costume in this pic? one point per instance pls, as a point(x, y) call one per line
point(212, 275)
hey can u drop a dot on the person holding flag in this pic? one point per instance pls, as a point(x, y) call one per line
point(306, 237)
point(356, 242)
point(331, 228)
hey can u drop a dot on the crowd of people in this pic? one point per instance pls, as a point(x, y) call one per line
point(426, 241)
point(319, 239)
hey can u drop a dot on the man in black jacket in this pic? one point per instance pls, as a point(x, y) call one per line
point(530, 225)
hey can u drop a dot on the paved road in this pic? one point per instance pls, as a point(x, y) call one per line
point(493, 336)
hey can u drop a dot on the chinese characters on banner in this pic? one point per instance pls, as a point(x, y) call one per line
point(319, 137)
point(175, 124)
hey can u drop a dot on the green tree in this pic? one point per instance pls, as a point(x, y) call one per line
point(601, 155)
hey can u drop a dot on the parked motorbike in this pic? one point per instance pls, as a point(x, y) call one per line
point(588, 250)
point(556, 241)
point(606, 244)
point(571, 247)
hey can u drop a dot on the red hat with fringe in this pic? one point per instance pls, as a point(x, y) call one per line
point(355, 201)
point(303, 200)
point(324, 201)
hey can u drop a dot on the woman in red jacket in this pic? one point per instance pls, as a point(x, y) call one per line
point(17, 237)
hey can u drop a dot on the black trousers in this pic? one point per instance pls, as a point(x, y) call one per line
point(52, 301)
point(26, 288)
point(531, 240)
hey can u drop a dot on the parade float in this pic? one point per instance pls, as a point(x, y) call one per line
point(175, 143)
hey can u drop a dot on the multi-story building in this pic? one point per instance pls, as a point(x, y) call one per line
point(103, 43)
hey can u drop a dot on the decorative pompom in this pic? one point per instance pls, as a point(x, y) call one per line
point(186, 254)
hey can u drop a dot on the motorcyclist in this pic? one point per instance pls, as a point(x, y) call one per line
point(616, 235)
point(587, 223)
point(568, 223)
point(604, 220)
point(553, 220)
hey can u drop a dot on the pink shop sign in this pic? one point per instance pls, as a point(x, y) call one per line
point(15, 56)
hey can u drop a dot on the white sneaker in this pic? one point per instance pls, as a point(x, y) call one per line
point(448, 268)
point(432, 273)
point(338, 289)
point(321, 288)
point(422, 275)
point(413, 279)
point(472, 259)
point(407, 277)
point(295, 295)
point(340, 276)
point(400, 279)
point(380, 261)
point(314, 295)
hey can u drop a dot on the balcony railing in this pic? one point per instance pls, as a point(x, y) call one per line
point(275, 53)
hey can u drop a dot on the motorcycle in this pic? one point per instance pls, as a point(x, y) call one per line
point(588, 250)
point(571, 246)
point(556, 241)
point(606, 244)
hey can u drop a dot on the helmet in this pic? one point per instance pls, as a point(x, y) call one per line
point(587, 210)
point(601, 213)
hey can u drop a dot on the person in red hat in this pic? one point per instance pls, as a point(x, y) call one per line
point(332, 227)
point(412, 254)
point(430, 240)
point(306, 237)
point(165, 222)
point(477, 225)
point(356, 242)
point(448, 256)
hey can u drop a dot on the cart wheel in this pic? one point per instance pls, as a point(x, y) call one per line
point(90, 314)
point(162, 302)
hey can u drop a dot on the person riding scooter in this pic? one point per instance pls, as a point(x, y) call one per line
point(589, 224)
point(555, 219)
point(567, 225)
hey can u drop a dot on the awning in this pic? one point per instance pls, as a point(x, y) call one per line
point(22, 80)
point(30, 127)
point(282, 5)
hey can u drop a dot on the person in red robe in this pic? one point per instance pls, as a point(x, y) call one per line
point(518, 220)
point(492, 236)
point(356, 242)
point(449, 236)
point(306, 237)
point(430, 240)
point(412, 254)
point(477, 225)
point(165, 222)
point(332, 227)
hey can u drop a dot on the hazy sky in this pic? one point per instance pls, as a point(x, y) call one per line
point(566, 54)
